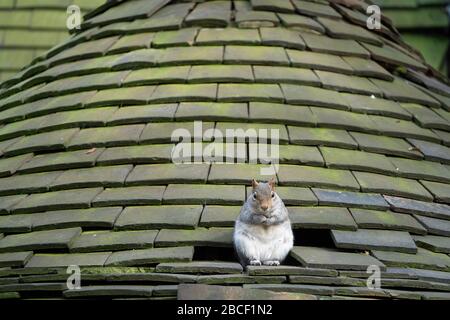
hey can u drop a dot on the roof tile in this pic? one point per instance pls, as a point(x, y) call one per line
point(149, 256)
point(129, 196)
point(212, 237)
point(321, 136)
point(167, 173)
point(321, 218)
point(350, 199)
point(205, 194)
point(65, 260)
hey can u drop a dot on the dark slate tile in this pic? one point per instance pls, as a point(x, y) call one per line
point(423, 259)
point(274, 74)
point(350, 199)
point(342, 119)
point(67, 199)
point(343, 47)
point(219, 216)
point(9, 201)
point(240, 132)
point(361, 292)
point(306, 95)
point(301, 22)
point(89, 218)
point(33, 287)
point(293, 288)
point(318, 61)
point(385, 145)
point(167, 173)
point(129, 196)
point(386, 220)
point(321, 137)
point(110, 136)
point(113, 240)
point(365, 239)
point(430, 209)
point(15, 223)
point(440, 191)
point(395, 186)
point(290, 270)
point(347, 83)
point(426, 117)
point(8, 166)
point(402, 128)
point(427, 170)
point(357, 160)
point(191, 56)
point(150, 256)
point(321, 218)
point(148, 76)
point(220, 73)
point(226, 279)
point(295, 196)
point(368, 68)
point(304, 176)
point(431, 275)
point(210, 111)
point(435, 226)
point(142, 114)
point(15, 259)
point(162, 132)
point(204, 194)
point(108, 176)
point(39, 240)
point(136, 154)
point(281, 113)
point(210, 237)
point(208, 267)
point(255, 55)
point(37, 182)
point(231, 36)
point(432, 295)
point(155, 217)
point(65, 260)
point(434, 243)
point(432, 151)
point(231, 92)
point(336, 281)
point(149, 277)
point(333, 259)
point(61, 161)
point(109, 291)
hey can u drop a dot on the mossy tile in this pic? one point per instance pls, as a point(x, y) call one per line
point(435, 226)
point(271, 74)
point(237, 173)
point(281, 113)
point(255, 55)
point(304, 176)
point(220, 73)
point(432, 151)
point(386, 220)
point(440, 191)
point(113, 241)
point(208, 111)
point(290, 154)
point(315, 9)
point(132, 42)
point(433, 243)
point(212, 237)
point(155, 217)
point(135, 95)
point(162, 132)
point(372, 182)
point(204, 194)
point(129, 196)
point(65, 260)
point(427, 170)
point(111, 136)
point(321, 137)
point(67, 199)
point(210, 14)
point(8, 166)
point(343, 47)
point(143, 114)
point(184, 92)
point(332, 259)
point(342, 119)
point(318, 61)
point(249, 92)
point(176, 38)
point(37, 182)
point(344, 30)
point(137, 59)
point(402, 128)
point(19, 128)
point(39, 240)
point(61, 160)
point(225, 279)
point(241, 132)
point(336, 281)
point(248, 19)
point(357, 160)
point(85, 218)
point(281, 37)
point(423, 259)
point(373, 105)
point(15, 259)
point(9, 201)
point(110, 292)
point(221, 36)
point(136, 154)
point(295, 196)
point(157, 76)
point(191, 55)
point(290, 270)
point(321, 218)
point(15, 223)
point(168, 173)
point(150, 256)
point(368, 68)
point(306, 95)
point(385, 145)
point(106, 176)
point(301, 22)
point(346, 83)
point(350, 199)
point(271, 5)
point(219, 216)
point(168, 18)
point(365, 239)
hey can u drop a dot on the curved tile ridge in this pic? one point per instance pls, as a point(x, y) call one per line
point(87, 175)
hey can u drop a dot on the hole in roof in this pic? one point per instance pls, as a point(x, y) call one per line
point(313, 238)
point(214, 253)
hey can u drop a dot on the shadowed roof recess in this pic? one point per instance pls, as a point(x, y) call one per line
point(87, 177)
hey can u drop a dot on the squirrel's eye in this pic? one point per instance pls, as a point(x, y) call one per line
point(254, 195)
point(273, 194)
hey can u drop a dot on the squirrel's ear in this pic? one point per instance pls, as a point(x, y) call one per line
point(272, 184)
point(254, 183)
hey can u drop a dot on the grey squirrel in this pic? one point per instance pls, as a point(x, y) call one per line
point(262, 232)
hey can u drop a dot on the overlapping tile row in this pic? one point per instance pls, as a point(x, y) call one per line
point(87, 175)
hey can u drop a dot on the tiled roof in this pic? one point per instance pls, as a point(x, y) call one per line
point(87, 177)
point(28, 28)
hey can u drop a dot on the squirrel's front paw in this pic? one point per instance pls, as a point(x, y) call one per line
point(255, 262)
point(271, 263)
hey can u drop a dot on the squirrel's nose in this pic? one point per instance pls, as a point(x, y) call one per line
point(264, 207)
